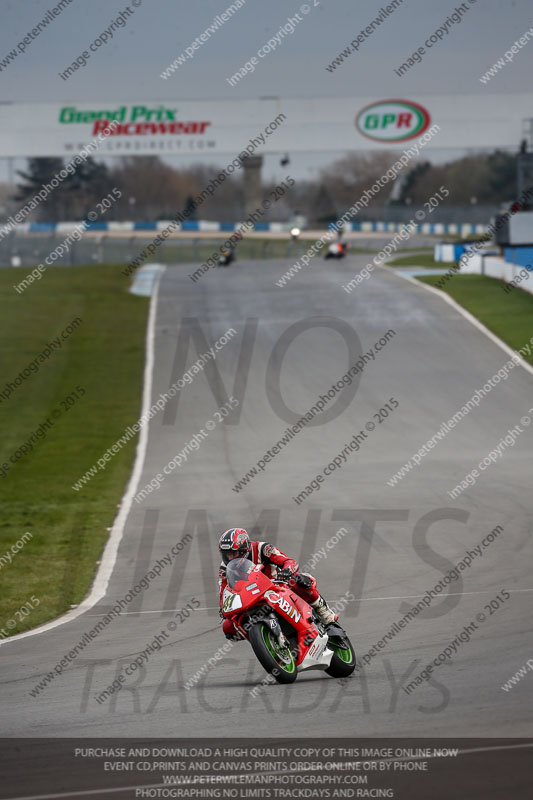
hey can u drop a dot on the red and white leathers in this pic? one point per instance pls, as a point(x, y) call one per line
point(274, 559)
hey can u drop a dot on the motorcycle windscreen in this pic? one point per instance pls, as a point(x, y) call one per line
point(238, 570)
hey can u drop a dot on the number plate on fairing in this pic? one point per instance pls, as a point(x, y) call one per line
point(230, 601)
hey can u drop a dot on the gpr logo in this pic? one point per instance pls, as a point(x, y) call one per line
point(284, 605)
point(392, 121)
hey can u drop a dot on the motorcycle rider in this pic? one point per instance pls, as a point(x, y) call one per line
point(228, 255)
point(235, 543)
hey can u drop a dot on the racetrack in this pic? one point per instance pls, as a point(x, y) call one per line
point(401, 540)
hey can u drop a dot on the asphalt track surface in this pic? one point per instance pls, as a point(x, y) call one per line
point(433, 364)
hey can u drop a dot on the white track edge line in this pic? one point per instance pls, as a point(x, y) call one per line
point(109, 556)
point(479, 325)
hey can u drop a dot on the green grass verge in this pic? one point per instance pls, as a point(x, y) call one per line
point(509, 316)
point(105, 356)
point(419, 260)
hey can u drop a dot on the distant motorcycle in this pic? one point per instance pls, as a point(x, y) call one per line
point(226, 257)
point(295, 234)
point(336, 250)
point(285, 633)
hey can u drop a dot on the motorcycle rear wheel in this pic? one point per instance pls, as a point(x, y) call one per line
point(343, 661)
point(279, 662)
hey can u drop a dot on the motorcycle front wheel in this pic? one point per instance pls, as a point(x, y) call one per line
point(278, 661)
point(343, 660)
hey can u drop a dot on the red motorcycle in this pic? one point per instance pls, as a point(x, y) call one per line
point(285, 633)
point(337, 250)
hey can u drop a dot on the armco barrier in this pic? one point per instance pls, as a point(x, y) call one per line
point(449, 252)
point(208, 226)
point(436, 228)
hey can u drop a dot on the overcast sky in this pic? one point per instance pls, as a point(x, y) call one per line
point(129, 67)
